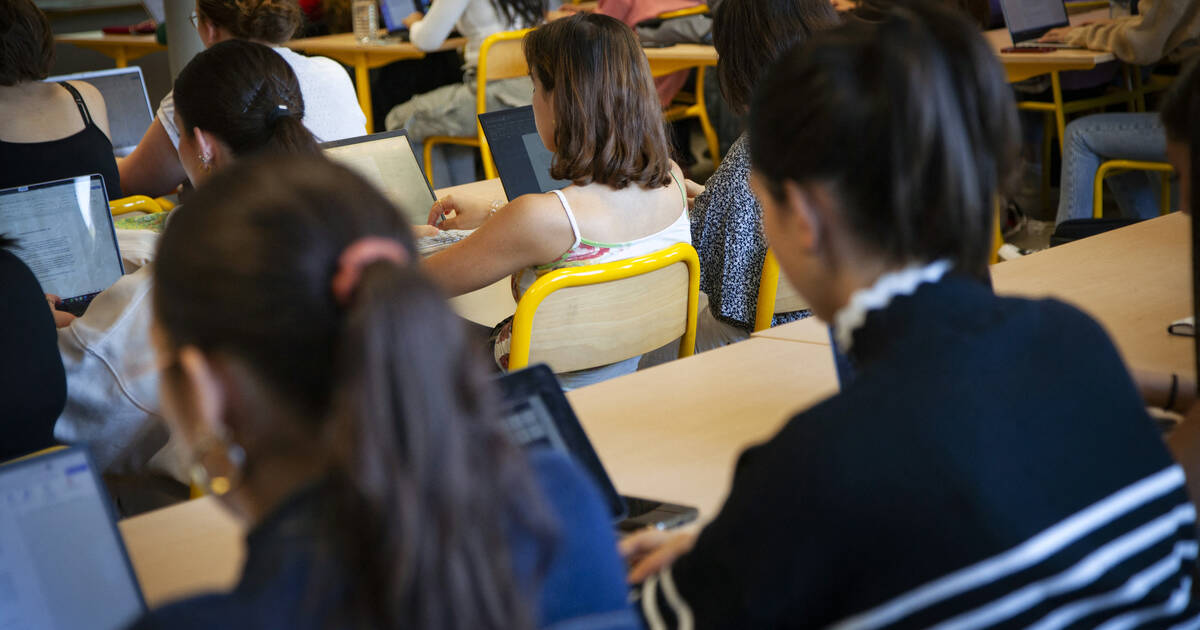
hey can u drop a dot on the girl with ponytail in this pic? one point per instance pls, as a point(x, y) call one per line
point(327, 395)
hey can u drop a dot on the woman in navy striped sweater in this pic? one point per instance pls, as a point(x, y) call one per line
point(991, 464)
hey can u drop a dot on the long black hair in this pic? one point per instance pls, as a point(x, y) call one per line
point(910, 120)
point(426, 483)
point(528, 12)
point(246, 95)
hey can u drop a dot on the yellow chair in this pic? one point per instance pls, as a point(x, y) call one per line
point(45, 451)
point(700, 9)
point(775, 294)
point(687, 105)
point(135, 203)
point(500, 57)
point(583, 317)
point(1086, 5)
point(1112, 167)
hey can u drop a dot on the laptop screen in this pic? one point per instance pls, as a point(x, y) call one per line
point(522, 161)
point(62, 562)
point(394, 12)
point(1029, 19)
point(129, 113)
point(537, 415)
point(64, 233)
point(387, 161)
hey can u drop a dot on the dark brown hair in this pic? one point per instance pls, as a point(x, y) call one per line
point(750, 35)
point(608, 120)
point(979, 11)
point(246, 95)
point(425, 481)
point(909, 119)
point(1181, 118)
point(270, 21)
point(26, 43)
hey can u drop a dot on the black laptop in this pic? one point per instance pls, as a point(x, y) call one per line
point(522, 161)
point(538, 415)
point(1028, 20)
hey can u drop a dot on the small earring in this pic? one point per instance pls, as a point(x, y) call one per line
point(235, 460)
point(205, 162)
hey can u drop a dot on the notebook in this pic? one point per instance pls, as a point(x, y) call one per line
point(64, 233)
point(538, 415)
point(522, 160)
point(387, 161)
point(63, 564)
point(129, 112)
point(1028, 20)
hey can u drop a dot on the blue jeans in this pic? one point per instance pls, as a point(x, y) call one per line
point(1092, 140)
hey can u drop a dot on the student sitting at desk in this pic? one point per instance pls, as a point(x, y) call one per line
point(328, 397)
point(235, 99)
point(992, 464)
point(156, 167)
point(603, 123)
point(450, 109)
point(48, 131)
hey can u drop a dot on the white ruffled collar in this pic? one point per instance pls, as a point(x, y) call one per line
point(876, 297)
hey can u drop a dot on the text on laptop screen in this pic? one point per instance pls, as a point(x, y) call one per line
point(61, 563)
point(1033, 16)
point(124, 93)
point(64, 234)
point(389, 163)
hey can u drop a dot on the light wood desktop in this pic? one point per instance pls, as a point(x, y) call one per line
point(679, 57)
point(345, 48)
point(1134, 281)
point(808, 330)
point(491, 304)
point(672, 432)
point(121, 48)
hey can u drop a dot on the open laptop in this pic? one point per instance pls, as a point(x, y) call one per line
point(64, 233)
point(1028, 20)
point(63, 563)
point(522, 161)
point(129, 112)
point(394, 12)
point(538, 415)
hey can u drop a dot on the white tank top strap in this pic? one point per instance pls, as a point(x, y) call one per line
point(570, 217)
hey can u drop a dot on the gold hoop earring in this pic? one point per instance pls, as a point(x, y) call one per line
point(235, 460)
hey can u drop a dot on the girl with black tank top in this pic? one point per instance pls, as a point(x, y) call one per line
point(83, 153)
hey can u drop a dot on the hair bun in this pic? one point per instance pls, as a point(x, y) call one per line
point(272, 21)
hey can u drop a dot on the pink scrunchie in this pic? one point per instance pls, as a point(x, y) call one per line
point(357, 256)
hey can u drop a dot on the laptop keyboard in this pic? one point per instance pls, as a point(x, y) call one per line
point(429, 245)
point(76, 305)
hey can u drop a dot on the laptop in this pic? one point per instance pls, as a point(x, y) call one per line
point(64, 233)
point(537, 415)
point(394, 12)
point(62, 561)
point(522, 161)
point(1028, 20)
point(129, 112)
point(387, 161)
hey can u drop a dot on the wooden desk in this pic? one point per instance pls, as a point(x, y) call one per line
point(490, 305)
point(679, 57)
point(1134, 281)
point(808, 330)
point(362, 57)
point(122, 48)
point(673, 432)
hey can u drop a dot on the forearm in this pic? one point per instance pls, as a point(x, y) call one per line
point(432, 30)
point(153, 169)
point(1140, 39)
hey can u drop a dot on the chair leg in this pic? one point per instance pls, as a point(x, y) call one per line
point(710, 134)
point(1047, 130)
point(1165, 199)
point(427, 156)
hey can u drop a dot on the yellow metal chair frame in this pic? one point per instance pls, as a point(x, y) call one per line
point(484, 72)
point(137, 203)
point(522, 324)
point(693, 105)
point(700, 9)
point(1086, 5)
point(768, 294)
point(1112, 167)
point(47, 450)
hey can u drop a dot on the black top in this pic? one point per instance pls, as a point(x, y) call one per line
point(83, 153)
point(290, 578)
point(991, 458)
point(33, 386)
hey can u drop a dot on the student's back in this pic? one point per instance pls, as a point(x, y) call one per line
point(990, 464)
point(48, 131)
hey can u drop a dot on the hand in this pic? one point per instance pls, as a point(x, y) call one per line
point(423, 231)
point(844, 5)
point(692, 190)
point(459, 213)
point(62, 319)
point(1059, 35)
point(413, 18)
point(651, 550)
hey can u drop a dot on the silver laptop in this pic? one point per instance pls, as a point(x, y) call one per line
point(124, 92)
point(1028, 20)
point(64, 233)
point(63, 563)
point(387, 161)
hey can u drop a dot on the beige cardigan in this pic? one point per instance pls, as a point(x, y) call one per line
point(1164, 29)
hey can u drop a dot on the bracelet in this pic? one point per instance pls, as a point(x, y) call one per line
point(1171, 396)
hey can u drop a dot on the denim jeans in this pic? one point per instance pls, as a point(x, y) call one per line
point(1092, 140)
